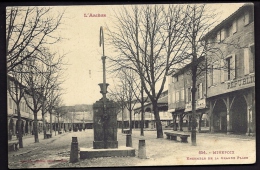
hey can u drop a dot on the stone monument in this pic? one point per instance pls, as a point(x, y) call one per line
point(105, 142)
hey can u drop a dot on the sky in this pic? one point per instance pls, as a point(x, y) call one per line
point(83, 53)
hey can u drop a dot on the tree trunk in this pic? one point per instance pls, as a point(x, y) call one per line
point(58, 124)
point(174, 122)
point(20, 135)
point(189, 122)
point(157, 121)
point(142, 110)
point(50, 123)
point(35, 128)
point(122, 120)
point(44, 127)
point(200, 117)
point(193, 105)
point(130, 124)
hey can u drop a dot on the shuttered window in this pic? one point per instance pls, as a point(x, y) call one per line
point(246, 61)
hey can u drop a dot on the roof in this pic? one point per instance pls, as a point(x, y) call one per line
point(228, 19)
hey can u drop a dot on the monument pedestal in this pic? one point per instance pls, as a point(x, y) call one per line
point(105, 142)
point(102, 144)
point(88, 153)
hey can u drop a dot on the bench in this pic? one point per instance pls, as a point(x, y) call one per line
point(173, 136)
point(13, 145)
point(126, 131)
point(48, 135)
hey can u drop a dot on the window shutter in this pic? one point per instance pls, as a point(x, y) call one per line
point(251, 58)
point(173, 97)
point(187, 95)
point(222, 70)
point(246, 61)
point(223, 34)
point(233, 67)
point(201, 91)
point(10, 103)
point(190, 93)
point(246, 18)
point(234, 27)
point(182, 95)
point(218, 37)
point(209, 77)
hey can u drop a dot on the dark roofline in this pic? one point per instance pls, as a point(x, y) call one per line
point(186, 67)
point(227, 20)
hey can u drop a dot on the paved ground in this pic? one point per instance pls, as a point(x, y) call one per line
point(55, 152)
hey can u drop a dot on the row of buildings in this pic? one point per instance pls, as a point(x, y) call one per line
point(225, 96)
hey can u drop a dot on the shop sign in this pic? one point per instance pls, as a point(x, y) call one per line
point(200, 104)
point(241, 82)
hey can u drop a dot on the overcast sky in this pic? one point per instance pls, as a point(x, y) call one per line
point(84, 53)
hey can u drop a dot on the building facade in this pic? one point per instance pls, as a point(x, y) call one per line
point(225, 97)
point(179, 103)
point(231, 89)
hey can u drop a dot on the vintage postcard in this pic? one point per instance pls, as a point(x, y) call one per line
point(130, 85)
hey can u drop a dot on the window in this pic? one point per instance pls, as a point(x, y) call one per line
point(234, 27)
point(10, 103)
point(177, 96)
point(231, 67)
point(228, 30)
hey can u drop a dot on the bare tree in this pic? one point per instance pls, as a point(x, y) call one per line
point(200, 19)
point(118, 96)
point(16, 90)
point(150, 42)
point(125, 93)
point(29, 30)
